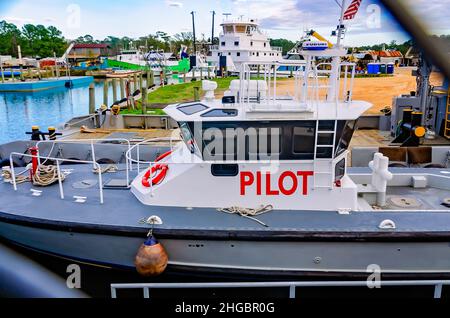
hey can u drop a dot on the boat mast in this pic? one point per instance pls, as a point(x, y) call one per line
point(335, 73)
point(193, 31)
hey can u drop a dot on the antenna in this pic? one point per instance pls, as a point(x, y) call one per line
point(226, 15)
point(193, 31)
point(213, 22)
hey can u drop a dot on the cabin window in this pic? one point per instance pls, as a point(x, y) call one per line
point(228, 29)
point(221, 113)
point(326, 125)
point(257, 53)
point(224, 170)
point(251, 43)
point(219, 54)
point(240, 28)
point(187, 136)
point(236, 43)
point(346, 131)
point(229, 53)
point(303, 139)
point(238, 54)
point(192, 109)
point(239, 141)
point(265, 44)
point(325, 139)
point(222, 43)
point(339, 171)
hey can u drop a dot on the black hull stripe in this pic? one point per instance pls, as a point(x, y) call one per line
point(225, 235)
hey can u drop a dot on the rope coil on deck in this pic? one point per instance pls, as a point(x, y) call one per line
point(7, 176)
point(248, 212)
point(108, 169)
point(47, 175)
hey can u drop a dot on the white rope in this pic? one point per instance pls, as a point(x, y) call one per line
point(248, 212)
point(7, 176)
point(110, 169)
point(47, 175)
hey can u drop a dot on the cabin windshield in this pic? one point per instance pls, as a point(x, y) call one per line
point(228, 29)
point(241, 28)
point(257, 140)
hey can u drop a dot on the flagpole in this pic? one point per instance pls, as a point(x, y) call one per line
point(335, 73)
point(341, 21)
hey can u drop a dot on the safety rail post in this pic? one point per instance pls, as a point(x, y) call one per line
point(57, 160)
point(61, 190)
point(13, 173)
point(146, 292)
point(100, 182)
point(292, 291)
point(93, 153)
point(438, 291)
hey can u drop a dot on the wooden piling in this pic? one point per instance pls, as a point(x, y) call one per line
point(141, 81)
point(122, 88)
point(91, 98)
point(144, 100)
point(105, 92)
point(1, 69)
point(197, 94)
point(114, 89)
point(150, 79)
point(135, 85)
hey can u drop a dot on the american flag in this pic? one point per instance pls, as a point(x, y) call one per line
point(352, 10)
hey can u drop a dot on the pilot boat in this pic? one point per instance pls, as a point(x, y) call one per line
point(259, 185)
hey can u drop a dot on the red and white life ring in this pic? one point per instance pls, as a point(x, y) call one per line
point(163, 156)
point(158, 178)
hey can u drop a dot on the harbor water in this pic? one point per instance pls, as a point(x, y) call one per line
point(20, 111)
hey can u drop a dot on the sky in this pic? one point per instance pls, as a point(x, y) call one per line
point(278, 18)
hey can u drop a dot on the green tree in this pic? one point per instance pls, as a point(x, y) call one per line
point(10, 38)
point(286, 45)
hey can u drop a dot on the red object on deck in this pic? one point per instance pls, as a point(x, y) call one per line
point(34, 152)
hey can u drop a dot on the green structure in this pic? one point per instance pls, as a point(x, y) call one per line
point(125, 65)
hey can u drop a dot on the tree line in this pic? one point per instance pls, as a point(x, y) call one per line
point(39, 41)
point(34, 40)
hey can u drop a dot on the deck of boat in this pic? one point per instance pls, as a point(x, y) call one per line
point(122, 213)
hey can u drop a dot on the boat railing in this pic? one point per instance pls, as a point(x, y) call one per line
point(146, 287)
point(92, 143)
point(58, 161)
point(137, 150)
point(269, 96)
point(277, 48)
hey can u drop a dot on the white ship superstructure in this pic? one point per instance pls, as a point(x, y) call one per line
point(243, 42)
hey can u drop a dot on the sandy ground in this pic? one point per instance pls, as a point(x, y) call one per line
point(380, 90)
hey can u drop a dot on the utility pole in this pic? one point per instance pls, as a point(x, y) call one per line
point(212, 32)
point(193, 31)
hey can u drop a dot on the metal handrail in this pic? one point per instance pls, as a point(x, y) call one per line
point(94, 158)
point(438, 284)
point(58, 160)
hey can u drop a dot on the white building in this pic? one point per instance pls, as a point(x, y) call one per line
point(243, 42)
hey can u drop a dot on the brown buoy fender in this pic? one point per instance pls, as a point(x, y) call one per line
point(151, 259)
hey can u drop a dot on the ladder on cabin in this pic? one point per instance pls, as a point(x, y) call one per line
point(323, 164)
point(447, 117)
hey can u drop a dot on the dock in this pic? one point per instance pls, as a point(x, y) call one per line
point(46, 84)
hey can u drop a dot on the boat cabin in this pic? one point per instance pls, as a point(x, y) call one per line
point(266, 142)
